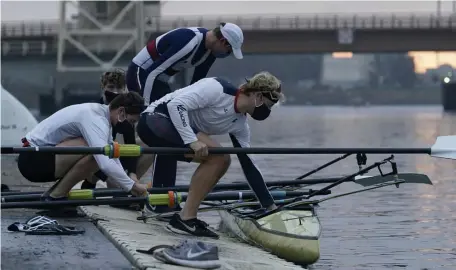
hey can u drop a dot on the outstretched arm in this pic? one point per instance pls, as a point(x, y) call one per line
point(202, 70)
point(96, 134)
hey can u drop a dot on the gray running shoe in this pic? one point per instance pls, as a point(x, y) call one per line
point(193, 254)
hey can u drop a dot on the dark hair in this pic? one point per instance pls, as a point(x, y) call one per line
point(218, 32)
point(132, 101)
point(113, 79)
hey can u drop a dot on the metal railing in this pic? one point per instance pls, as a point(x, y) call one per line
point(261, 23)
point(28, 47)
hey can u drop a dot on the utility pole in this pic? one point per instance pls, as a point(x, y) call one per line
point(439, 8)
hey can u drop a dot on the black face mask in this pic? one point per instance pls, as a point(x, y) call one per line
point(261, 113)
point(222, 55)
point(109, 96)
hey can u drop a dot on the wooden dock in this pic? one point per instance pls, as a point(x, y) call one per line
point(128, 234)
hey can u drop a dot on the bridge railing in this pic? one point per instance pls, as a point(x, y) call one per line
point(28, 47)
point(261, 22)
point(311, 22)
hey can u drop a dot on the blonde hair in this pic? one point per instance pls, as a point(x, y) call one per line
point(114, 80)
point(264, 82)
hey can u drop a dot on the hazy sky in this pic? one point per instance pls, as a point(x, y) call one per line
point(48, 10)
point(39, 10)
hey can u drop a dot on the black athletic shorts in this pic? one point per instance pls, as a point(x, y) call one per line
point(37, 167)
point(157, 130)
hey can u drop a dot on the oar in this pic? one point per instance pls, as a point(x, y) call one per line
point(444, 147)
point(99, 192)
point(171, 199)
point(84, 194)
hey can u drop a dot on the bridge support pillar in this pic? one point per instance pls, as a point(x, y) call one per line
point(114, 28)
point(104, 31)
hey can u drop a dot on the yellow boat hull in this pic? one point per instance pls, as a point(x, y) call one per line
point(293, 235)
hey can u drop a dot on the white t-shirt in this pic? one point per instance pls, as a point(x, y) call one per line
point(89, 121)
point(208, 106)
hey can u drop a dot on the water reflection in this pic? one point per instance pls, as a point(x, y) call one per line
point(411, 227)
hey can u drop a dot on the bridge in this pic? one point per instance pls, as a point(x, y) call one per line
point(263, 34)
point(111, 40)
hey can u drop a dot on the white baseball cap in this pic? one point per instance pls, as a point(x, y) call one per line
point(233, 34)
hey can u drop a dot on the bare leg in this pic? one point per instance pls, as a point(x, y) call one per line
point(83, 169)
point(145, 162)
point(205, 178)
point(72, 168)
point(111, 184)
point(63, 163)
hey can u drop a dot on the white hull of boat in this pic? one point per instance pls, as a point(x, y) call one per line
point(17, 120)
point(293, 235)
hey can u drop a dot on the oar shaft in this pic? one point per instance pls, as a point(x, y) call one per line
point(153, 199)
point(100, 192)
point(97, 193)
point(54, 204)
point(135, 150)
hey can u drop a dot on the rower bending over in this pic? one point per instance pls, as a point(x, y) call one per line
point(87, 124)
point(178, 50)
point(187, 117)
point(173, 52)
point(113, 83)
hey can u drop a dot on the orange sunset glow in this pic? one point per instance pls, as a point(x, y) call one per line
point(423, 60)
point(427, 60)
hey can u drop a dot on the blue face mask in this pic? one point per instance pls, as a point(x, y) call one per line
point(221, 55)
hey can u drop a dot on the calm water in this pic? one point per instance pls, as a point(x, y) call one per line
point(413, 227)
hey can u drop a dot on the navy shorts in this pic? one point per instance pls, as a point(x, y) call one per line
point(157, 130)
point(136, 80)
point(37, 167)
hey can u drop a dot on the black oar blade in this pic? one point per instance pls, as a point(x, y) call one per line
point(415, 178)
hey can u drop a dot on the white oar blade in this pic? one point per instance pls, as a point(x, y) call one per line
point(416, 178)
point(444, 147)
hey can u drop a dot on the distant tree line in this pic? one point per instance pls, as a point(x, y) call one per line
point(392, 70)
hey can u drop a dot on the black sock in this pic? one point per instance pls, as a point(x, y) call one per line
point(87, 185)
